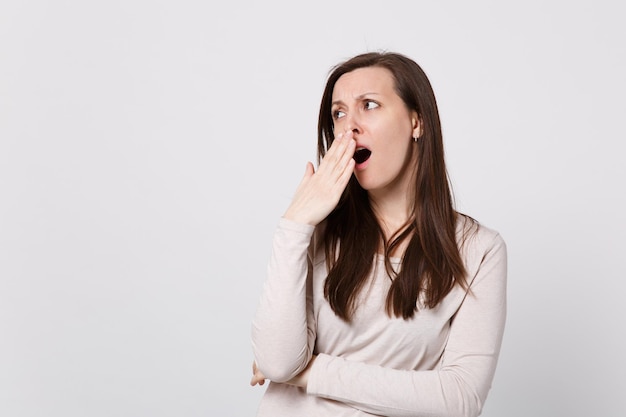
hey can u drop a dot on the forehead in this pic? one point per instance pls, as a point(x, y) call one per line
point(362, 81)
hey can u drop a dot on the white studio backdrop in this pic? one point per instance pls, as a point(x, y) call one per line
point(147, 150)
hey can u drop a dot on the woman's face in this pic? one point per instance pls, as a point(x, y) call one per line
point(365, 101)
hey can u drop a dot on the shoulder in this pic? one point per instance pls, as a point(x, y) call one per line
point(478, 242)
point(475, 235)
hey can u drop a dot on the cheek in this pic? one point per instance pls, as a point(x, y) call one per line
point(402, 151)
point(336, 128)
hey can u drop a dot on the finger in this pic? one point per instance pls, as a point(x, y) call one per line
point(348, 153)
point(350, 146)
point(309, 170)
point(337, 159)
point(344, 165)
point(336, 147)
point(257, 378)
point(342, 181)
point(335, 142)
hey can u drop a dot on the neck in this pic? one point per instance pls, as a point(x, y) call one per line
point(392, 213)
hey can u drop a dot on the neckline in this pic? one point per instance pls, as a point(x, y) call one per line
point(395, 260)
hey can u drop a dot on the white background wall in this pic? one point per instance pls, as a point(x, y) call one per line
point(148, 148)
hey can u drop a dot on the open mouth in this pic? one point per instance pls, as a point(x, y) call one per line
point(361, 155)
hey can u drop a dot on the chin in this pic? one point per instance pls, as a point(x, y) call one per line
point(366, 184)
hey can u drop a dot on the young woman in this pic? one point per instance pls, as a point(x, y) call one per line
point(380, 298)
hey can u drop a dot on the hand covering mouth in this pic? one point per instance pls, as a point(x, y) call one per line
point(361, 155)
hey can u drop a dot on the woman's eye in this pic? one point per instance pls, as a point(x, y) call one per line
point(338, 114)
point(369, 105)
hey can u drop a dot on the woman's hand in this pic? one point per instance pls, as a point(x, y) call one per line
point(257, 376)
point(319, 192)
point(299, 380)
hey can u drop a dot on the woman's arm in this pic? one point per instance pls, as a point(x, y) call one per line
point(283, 329)
point(459, 386)
point(283, 333)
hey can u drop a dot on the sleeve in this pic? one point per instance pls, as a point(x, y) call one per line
point(283, 328)
point(459, 386)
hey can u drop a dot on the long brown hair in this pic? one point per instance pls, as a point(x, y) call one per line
point(431, 264)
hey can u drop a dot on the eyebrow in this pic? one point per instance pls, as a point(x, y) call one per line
point(358, 98)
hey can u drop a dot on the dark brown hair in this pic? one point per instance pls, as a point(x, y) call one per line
point(431, 264)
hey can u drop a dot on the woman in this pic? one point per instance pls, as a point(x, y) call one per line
point(380, 298)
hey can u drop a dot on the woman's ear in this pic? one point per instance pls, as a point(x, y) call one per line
point(417, 125)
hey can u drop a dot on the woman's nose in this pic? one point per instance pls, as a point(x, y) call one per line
point(352, 123)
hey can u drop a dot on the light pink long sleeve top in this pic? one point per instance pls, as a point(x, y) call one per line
point(441, 362)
